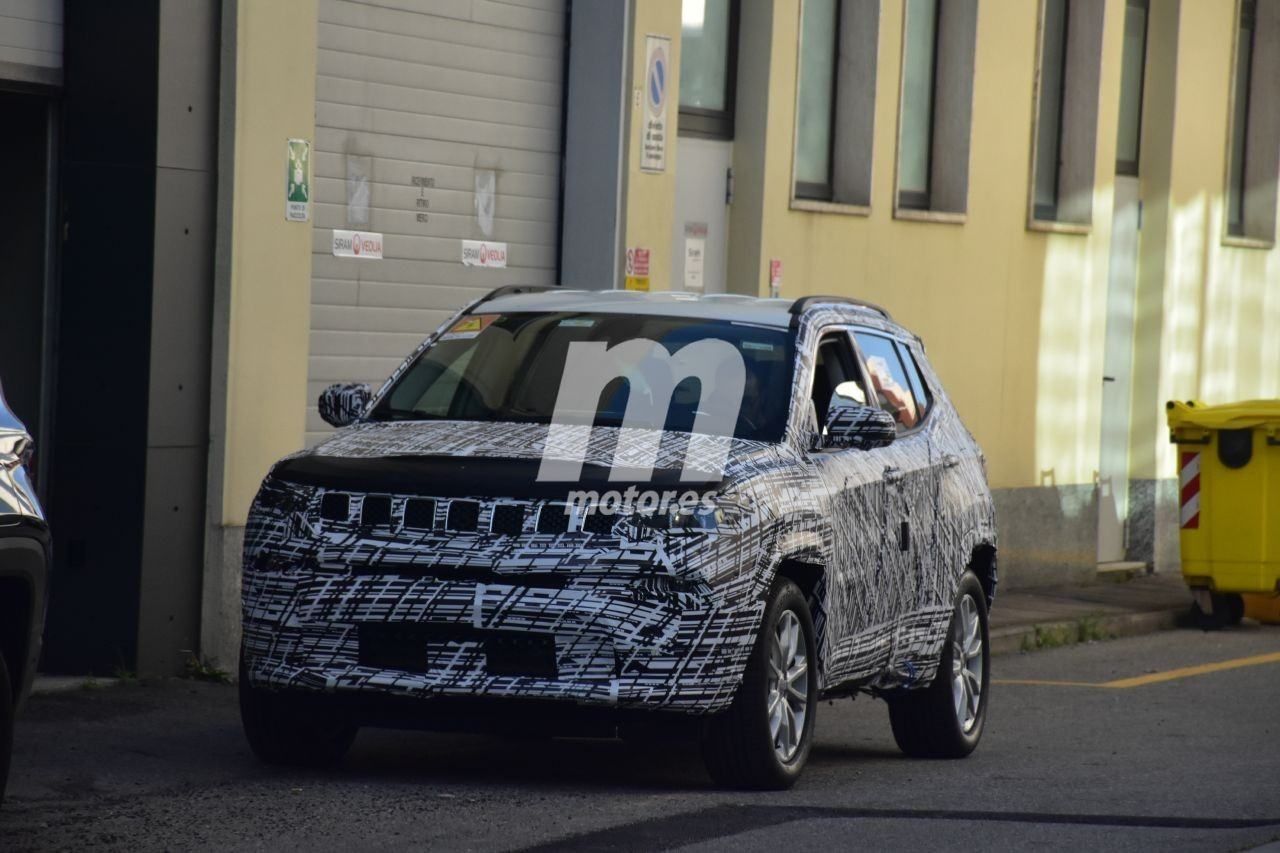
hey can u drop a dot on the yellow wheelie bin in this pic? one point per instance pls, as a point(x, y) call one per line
point(1229, 505)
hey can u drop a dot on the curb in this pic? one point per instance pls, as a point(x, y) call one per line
point(1034, 637)
point(45, 685)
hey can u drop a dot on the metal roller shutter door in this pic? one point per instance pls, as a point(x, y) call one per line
point(411, 92)
point(30, 35)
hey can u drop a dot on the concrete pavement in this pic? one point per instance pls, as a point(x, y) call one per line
point(1185, 763)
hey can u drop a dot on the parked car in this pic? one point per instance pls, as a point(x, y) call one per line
point(24, 561)
point(484, 543)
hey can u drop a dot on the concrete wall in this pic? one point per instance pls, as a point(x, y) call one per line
point(262, 285)
point(181, 301)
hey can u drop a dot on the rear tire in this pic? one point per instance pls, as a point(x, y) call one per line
point(6, 725)
point(288, 730)
point(763, 740)
point(945, 720)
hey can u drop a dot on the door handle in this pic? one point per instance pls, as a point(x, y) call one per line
point(892, 474)
point(950, 460)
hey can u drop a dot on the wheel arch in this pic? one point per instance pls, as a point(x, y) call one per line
point(982, 562)
point(810, 576)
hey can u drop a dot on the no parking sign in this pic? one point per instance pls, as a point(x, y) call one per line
point(653, 147)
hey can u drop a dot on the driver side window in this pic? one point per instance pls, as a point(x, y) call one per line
point(833, 364)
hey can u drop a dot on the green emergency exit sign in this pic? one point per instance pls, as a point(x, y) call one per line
point(297, 206)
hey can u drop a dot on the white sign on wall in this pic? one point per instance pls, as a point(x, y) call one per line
point(357, 244)
point(653, 134)
point(695, 256)
point(480, 253)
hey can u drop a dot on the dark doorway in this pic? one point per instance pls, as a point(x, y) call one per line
point(24, 151)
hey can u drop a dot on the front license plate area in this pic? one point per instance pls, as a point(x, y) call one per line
point(411, 648)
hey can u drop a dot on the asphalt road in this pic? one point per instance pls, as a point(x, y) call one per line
point(1176, 761)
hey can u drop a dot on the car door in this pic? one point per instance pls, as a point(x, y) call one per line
point(859, 604)
point(910, 497)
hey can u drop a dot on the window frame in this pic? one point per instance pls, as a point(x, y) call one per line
point(701, 123)
point(1263, 234)
point(1237, 230)
point(849, 188)
point(1131, 168)
point(916, 201)
point(818, 194)
point(899, 346)
point(1042, 213)
point(1080, 102)
point(823, 335)
point(956, 48)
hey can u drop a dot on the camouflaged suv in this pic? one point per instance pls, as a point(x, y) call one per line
point(432, 564)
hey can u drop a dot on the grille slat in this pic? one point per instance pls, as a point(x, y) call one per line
point(375, 511)
point(508, 520)
point(463, 516)
point(335, 507)
point(420, 514)
point(599, 522)
point(553, 518)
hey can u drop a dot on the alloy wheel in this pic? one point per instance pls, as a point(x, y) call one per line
point(967, 664)
point(788, 694)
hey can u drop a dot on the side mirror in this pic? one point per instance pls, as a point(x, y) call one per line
point(851, 423)
point(342, 405)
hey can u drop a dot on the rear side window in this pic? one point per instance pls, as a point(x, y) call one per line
point(919, 390)
point(889, 379)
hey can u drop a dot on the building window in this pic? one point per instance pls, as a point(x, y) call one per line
point(708, 63)
point(815, 113)
point(936, 105)
point(1132, 74)
point(917, 103)
point(1254, 152)
point(835, 113)
point(1053, 74)
point(1066, 116)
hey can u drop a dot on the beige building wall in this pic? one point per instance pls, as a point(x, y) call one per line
point(1015, 319)
point(262, 286)
point(1209, 305)
point(649, 197)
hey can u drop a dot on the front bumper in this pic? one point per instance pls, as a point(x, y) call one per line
point(649, 624)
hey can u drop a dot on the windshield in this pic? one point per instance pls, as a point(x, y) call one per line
point(509, 367)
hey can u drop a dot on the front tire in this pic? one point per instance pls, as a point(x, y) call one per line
point(288, 730)
point(763, 740)
point(945, 719)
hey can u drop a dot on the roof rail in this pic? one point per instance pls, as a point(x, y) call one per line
point(512, 290)
point(804, 302)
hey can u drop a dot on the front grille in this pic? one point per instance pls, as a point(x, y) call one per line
point(553, 518)
point(599, 522)
point(420, 514)
point(376, 511)
point(508, 520)
point(335, 507)
point(463, 516)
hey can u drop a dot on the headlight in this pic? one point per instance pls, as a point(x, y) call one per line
point(724, 517)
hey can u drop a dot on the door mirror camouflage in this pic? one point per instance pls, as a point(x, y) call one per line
point(341, 405)
point(853, 424)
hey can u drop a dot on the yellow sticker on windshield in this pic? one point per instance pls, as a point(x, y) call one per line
point(469, 326)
